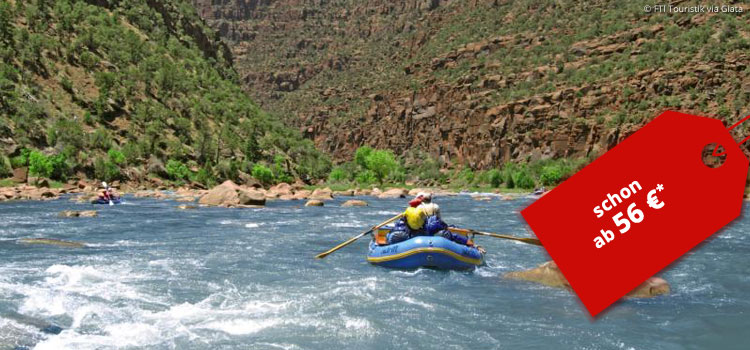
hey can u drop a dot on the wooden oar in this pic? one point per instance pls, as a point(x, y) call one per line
point(351, 240)
point(533, 241)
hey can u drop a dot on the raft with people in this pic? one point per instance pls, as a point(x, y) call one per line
point(419, 237)
point(423, 251)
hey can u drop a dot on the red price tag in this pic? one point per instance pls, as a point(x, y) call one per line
point(640, 206)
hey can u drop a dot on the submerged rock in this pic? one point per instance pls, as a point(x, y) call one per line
point(481, 198)
point(50, 241)
point(77, 214)
point(549, 274)
point(314, 203)
point(354, 203)
point(186, 207)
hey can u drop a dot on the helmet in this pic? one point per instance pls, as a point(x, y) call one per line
point(426, 196)
point(104, 184)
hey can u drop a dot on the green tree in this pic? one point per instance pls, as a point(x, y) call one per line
point(360, 156)
point(382, 163)
point(338, 174)
point(551, 174)
point(365, 178)
point(177, 170)
point(39, 164)
point(262, 173)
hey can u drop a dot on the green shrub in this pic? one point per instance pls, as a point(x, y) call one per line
point(177, 170)
point(205, 176)
point(551, 175)
point(60, 167)
point(227, 170)
point(522, 179)
point(22, 159)
point(494, 177)
point(381, 163)
point(116, 156)
point(262, 173)
point(366, 177)
point(338, 175)
point(279, 173)
point(40, 165)
point(6, 169)
point(106, 170)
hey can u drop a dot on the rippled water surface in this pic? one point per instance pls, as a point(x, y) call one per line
point(155, 277)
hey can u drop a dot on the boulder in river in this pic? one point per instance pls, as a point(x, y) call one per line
point(50, 241)
point(322, 194)
point(346, 193)
point(186, 207)
point(354, 203)
point(222, 195)
point(302, 194)
point(314, 203)
point(279, 190)
point(394, 193)
point(251, 196)
point(549, 274)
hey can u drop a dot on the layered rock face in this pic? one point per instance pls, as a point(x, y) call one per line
point(482, 82)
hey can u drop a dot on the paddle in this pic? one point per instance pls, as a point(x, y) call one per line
point(533, 241)
point(351, 240)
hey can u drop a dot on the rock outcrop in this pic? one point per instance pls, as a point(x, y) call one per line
point(549, 274)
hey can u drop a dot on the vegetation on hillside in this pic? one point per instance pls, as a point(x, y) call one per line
point(120, 92)
point(372, 166)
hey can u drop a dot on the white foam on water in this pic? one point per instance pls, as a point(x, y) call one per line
point(410, 300)
point(387, 212)
point(253, 225)
point(347, 224)
point(240, 326)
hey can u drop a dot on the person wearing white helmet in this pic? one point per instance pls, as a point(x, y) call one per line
point(430, 208)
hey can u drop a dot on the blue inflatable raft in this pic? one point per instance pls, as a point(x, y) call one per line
point(423, 251)
point(117, 200)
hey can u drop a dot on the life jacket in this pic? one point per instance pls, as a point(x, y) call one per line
point(415, 218)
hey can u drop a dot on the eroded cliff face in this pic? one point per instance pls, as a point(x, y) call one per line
point(482, 82)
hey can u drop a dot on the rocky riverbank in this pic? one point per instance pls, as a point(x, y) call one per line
point(227, 194)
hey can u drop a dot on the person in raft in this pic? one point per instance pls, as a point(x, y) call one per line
point(107, 194)
point(422, 218)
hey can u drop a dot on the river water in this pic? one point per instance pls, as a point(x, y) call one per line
point(155, 277)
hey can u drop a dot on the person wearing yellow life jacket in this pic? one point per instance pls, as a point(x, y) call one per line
point(410, 225)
